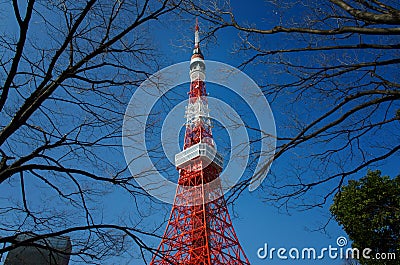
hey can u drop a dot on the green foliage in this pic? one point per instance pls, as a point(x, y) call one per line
point(369, 211)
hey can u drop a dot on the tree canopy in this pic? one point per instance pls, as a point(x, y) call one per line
point(369, 211)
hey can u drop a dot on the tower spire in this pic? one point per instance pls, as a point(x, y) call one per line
point(196, 50)
point(196, 34)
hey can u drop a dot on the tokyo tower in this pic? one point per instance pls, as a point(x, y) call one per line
point(199, 231)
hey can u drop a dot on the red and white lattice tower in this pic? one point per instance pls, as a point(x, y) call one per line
point(199, 231)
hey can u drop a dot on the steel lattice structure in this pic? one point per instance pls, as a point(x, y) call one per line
point(199, 231)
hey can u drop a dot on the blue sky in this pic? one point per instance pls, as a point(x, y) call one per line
point(256, 222)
